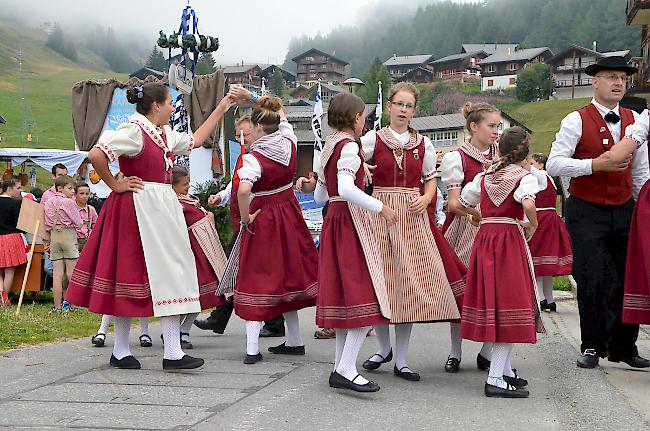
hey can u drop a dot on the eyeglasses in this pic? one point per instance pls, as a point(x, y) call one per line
point(402, 105)
point(612, 77)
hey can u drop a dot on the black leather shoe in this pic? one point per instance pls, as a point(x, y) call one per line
point(482, 363)
point(633, 361)
point(452, 365)
point(516, 381)
point(210, 324)
point(373, 365)
point(588, 359)
point(406, 375)
point(338, 381)
point(126, 363)
point(251, 359)
point(510, 392)
point(186, 344)
point(552, 307)
point(283, 349)
point(267, 333)
point(98, 340)
point(187, 362)
point(543, 305)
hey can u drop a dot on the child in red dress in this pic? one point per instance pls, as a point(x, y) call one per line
point(499, 304)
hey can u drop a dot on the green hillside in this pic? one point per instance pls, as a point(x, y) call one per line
point(544, 118)
point(47, 85)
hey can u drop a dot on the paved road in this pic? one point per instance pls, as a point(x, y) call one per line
point(70, 385)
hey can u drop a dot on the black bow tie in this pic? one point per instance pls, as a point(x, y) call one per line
point(612, 117)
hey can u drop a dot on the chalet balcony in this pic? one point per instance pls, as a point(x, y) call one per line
point(568, 83)
point(569, 67)
point(638, 12)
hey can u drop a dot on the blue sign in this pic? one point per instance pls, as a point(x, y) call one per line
point(235, 151)
point(120, 109)
point(307, 202)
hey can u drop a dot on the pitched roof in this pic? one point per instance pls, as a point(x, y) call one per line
point(396, 60)
point(438, 122)
point(238, 68)
point(518, 55)
point(266, 67)
point(455, 57)
point(331, 88)
point(489, 48)
point(588, 51)
point(318, 51)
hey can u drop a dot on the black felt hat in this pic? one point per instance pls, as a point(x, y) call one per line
point(611, 63)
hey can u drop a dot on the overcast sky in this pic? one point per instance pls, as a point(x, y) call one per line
point(232, 21)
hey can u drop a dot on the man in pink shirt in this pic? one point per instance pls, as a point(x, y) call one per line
point(62, 219)
point(88, 213)
point(58, 170)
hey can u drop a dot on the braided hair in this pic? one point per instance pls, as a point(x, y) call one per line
point(514, 146)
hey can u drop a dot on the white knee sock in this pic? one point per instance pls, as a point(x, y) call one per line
point(253, 329)
point(122, 330)
point(171, 329)
point(548, 289)
point(402, 338)
point(293, 329)
point(507, 369)
point(106, 322)
point(340, 343)
point(144, 326)
point(539, 283)
point(486, 350)
point(347, 366)
point(456, 341)
point(383, 337)
point(500, 353)
point(188, 321)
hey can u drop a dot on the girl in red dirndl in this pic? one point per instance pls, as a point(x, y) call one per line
point(12, 243)
point(499, 304)
point(278, 261)
point(207, 249)
point(458, 168)
point(551, 244)
point(351, 294)
point(138, 260)
point(636, 297)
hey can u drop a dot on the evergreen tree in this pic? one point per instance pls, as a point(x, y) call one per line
point(206, 64)
point(59, 43)
point(157, 60)
point(276, 83)
point(375, 73)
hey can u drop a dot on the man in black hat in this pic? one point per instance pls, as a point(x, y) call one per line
point(599, 212)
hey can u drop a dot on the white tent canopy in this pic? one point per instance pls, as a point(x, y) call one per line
point(44, 158)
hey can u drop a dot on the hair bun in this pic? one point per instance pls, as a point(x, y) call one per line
point(132, 95)
point(468, 108)
point(270, 103)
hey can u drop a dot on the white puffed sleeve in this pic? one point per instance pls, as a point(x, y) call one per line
point(286, 130)
point(638, 132)
point(471, 194)
point(126, 140)
point(429, 160)
point(368, 142)
point(181, 143)
point(542, 178)
point(527, 189)
point(224, 195)
point(349, 162)
point(451, 170)
point(251, 171)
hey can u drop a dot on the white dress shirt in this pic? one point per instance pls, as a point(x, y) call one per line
point(561, 162)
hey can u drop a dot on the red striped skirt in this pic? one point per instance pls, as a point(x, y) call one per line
point(551, 245)
point(460, 234)
point(636, 299)
point(12, 250)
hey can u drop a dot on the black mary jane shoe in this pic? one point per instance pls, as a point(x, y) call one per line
point(187, 362)
point(588, 359)
point(186, 344)
point(145, 341)
point(634, 361)
point(98, 340)
point(452, 365)
point(509, 392)
point(482, 363)
point(338, 381)
point(373, 365)
point(126, 363)
point(251, 359)
point(516, 381)
point(547, 306)
point(406, 375)
point(283, 349)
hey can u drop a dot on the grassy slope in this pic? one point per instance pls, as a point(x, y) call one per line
point(47, 87)
point(544, 118)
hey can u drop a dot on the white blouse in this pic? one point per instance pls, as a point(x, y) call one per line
point(452, 174)
point(251, 170)
point(127, 140)
point(347, 166)
point(471, 194)
point(369, 140)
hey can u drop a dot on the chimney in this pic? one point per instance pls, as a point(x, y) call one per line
point(509, 51)
point(394, 55)
point(594, 46)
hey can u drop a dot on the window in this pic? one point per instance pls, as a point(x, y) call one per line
point(490, 83)
point(513, 81)
point(444, 139)
point(512, 66)
point(491, 68)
